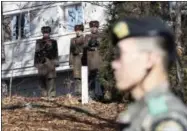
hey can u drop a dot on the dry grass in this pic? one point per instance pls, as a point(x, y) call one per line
point(61, 114)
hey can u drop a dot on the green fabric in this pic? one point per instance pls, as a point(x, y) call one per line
point(157, 105)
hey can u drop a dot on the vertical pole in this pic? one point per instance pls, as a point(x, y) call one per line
point(84, 81)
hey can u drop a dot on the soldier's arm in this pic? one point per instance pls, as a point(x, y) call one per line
point(37, 49)
point(71, 51)
point(55, 49)
point(86, 41)
point(72, 45)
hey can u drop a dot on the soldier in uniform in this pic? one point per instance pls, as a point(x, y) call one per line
point(46, 60)
point(145, 50)
point(92, 42)
point(76, 51)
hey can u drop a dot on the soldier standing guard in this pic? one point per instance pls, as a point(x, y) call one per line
point(46, 60)
point(76, 52)
point(92, 42)
point(145, 50)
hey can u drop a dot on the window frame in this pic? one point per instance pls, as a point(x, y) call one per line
point(28, 10)
point(66, 14)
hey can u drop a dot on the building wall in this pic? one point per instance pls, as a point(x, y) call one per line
point(61, 16)
point(19, 51)
point(29, 86)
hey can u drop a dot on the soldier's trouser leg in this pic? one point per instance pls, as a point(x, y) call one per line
point(92, 84)
point(78, 86)
point(43, 86)
point(98, 89)
point(51, 87)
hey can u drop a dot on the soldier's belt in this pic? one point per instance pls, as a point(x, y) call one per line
point(92, 49)
point(77, 54)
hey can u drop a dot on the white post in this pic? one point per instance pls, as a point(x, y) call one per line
point(84, 81)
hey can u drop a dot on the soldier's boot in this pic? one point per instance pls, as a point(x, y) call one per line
point(44, 93)
point(91, 89)
point(51, 87)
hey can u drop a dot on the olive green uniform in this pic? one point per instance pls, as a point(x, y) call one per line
point(158, 110)
point(94, 62)
point(76, 51)
point(46, 65)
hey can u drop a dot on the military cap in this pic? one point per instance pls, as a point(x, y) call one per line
point(46, 29)
point(94, 24)
point(79, 27)
point(144, 27)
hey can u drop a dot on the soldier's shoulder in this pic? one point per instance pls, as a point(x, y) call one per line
point(165, 111)
point(164, 103)
point(39, 40)
point(88, 35)
point(172, 120)
point(72, 39)
point(169, 125)
point(101, 34)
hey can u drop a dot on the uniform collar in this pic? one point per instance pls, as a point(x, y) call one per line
point(157, 91)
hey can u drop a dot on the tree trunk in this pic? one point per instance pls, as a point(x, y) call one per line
point(178, 33)
point(2, 36)
point(178, 36)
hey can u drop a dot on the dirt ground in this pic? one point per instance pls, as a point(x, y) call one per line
point(60, 114)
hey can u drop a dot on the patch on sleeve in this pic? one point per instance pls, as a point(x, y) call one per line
point(157, 105)
point(169, 125)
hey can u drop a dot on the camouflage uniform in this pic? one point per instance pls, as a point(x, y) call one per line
point(158, 109)
point(92, 42)
point(76, 51)
point(46, 60)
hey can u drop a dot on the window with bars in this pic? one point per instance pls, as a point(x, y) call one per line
point(16, 26)
point(73, 16)
point(28, 24)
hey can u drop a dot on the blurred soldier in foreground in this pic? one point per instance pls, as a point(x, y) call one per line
point(76, 51)
point(145, 50)
point(46, 59)
point(92, 42)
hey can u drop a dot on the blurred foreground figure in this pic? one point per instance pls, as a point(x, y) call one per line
point(145, 50)
point(46, 60)
point(76, 51)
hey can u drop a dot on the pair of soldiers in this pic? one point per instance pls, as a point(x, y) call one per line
point(46, 60)
point(85, 51)
point(145, 50)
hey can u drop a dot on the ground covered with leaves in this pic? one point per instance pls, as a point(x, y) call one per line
point(59, 114)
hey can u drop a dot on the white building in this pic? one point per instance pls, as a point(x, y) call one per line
point(22, 22)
